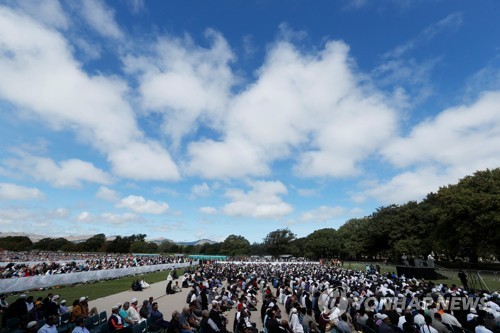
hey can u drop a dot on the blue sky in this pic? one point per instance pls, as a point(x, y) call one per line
point(201, 119)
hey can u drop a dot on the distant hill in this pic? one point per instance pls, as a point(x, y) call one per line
point(198, 242)
point(82, 238)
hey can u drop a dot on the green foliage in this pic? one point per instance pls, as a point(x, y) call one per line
point(93, 244)
point(15, 243)
point(279, 242)
point(169, 247)
point(144, 247)
point(235, 245)
point(323, 243)
point(50, 244)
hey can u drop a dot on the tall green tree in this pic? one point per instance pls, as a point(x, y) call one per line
point(94, 243)
point(235, 245)
point(323, 243)
point(278, 242)
point(15, 243)
point(468, 215)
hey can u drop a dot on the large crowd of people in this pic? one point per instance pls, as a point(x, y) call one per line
point(43, 263)
point(291, 298)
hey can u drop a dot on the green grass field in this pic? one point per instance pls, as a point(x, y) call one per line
point(98, 289)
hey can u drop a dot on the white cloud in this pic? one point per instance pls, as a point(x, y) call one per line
point(466, 135)
point(101, 18)
point(119, 219)
point(184, 82)
point(312, 104)
point(322, 214)
point(39, 74)
point(67, 173)
point(144, 161)
point(263, 201)
point(17, 192)
point(49, 12)
point(441, 150)
point(107, 194)
point(208, 210)
point(200, 190)
point(83, 217)
point(140, 205)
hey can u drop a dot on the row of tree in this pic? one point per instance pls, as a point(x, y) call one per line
point(458, 220)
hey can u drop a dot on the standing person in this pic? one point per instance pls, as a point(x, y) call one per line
point(463, 278)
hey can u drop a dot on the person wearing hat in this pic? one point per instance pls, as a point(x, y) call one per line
point(50, 325)
point(133, 313)
point(63, 308)
point(115, 322)
point(295, 322)
point(384, 325)
point(80, 309)
point(80, 326)
point(36, 313)
point(32, 327)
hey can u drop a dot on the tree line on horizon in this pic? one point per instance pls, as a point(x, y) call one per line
point(459, 220)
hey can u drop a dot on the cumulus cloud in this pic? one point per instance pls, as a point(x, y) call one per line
point(200, 190)
point(263, 201)
point(139, 204)
point(16, 192)
point(322, 214)
point(83, 216)
point(67, 173)
point(440, 150)
point(39, 74)
point(310, 102)
point(185, 82)
point(107, 194)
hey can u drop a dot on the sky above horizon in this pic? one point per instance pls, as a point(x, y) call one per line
point(201, 119)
